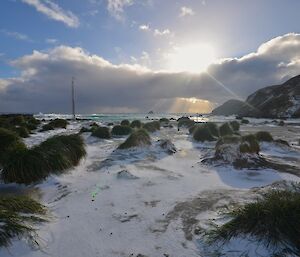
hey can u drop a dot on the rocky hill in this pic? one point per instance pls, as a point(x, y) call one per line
point(279, 101)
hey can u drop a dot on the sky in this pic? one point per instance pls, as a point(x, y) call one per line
point(142, 55)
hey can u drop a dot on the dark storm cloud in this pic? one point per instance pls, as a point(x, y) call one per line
point(44, 85)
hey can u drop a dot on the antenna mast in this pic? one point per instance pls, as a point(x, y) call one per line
point(73, 99)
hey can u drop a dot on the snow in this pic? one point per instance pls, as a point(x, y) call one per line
point(97, 209)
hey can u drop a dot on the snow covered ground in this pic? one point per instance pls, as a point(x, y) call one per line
point(145, 202)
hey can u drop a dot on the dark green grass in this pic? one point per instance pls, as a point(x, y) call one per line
point(164, 120)
point(249, 144)
point(84, 130)
point(185, 122)
point(25, 166)
point(71, 147)
point(22, 132)
point(18, 215)
point(125, 123)
point(273, 220)
point(137, 138)
point(226, 130)
point(264, 136)
point(235, 125)
point(119, 130)
point(53, 124)
point(46, 127)
point(245, 121)
point(136, 124)
point(56, 154)
point(101, 132)
point(59, 123)
point(152, 126)
point(213, 128)
point(202, 133)
point(8, 141)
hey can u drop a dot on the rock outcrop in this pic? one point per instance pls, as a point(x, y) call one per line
point(280, 101)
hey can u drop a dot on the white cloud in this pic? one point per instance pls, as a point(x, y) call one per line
point(16, 35)
point(44, 84)
point(51, 41)
point(144, 27)
point(116, 7)
point(186, 11)
point(164, 32)
point(54, 12)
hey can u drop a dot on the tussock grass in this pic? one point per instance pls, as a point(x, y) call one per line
point(226, 130)
point(137, 138)
point(101, 132)
point(249, 144)
point(56, 154)
point(235, 125)
point(273, 220)
point(213, 128)
point(264, 136)
point(119, 130)
point(53, 124)
point(46, 127)
point(164, 120)
point(69, 146)
point(22, 125)
point(125, 123)
point(59, 123)
point(18, 214)
point(84, 130)
point(245, 121)
point(136, 124)
point(185, 122)
point(22, 132)
point(202, 133)
point(25, 166)
point(152, 126)
point(8, 141)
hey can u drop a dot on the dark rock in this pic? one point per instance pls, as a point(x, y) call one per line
point(279, 101)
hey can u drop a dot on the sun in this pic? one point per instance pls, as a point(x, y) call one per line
point(191, 58)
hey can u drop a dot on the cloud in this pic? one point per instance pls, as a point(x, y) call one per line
point(54, 12)
point(164, 32)
point(144, 27)
point(51, 41)
point(44, 84)
point(186, 11)
point(16, 35)
point(156, 32)
point(116, 7)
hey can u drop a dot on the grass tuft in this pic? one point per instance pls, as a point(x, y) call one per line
point(152, 126)
point(202, 133)
point(136, 124)
point(125, 123)
point(185, 122)
point(164, 120)
point(235, 125)
point(18, 214)
point(9, 140)
point(53, 124)
point(56, 154)
point(249, 144)
point(273, 220)
point(22, 132)
point(119, 130)
point(264, 136)
point(226, 130)
point(245, 121)
point(101, 132)
point(137, 138)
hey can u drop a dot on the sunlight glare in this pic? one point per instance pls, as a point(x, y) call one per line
point(191, 58)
